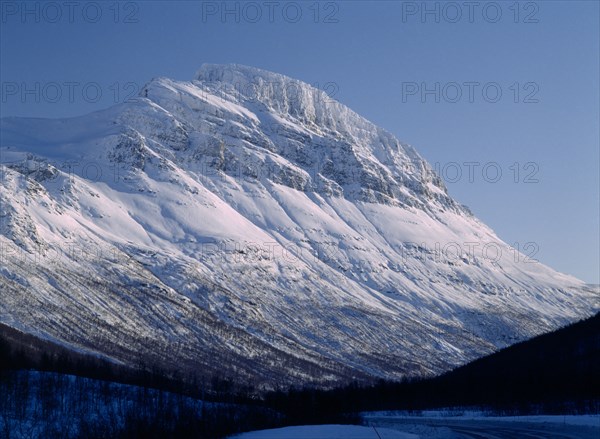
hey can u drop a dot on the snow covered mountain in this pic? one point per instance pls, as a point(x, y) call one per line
point(244, 224)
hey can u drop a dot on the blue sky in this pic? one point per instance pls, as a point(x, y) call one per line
point(541, 133)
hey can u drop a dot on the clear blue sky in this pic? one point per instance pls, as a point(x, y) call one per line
point(366, 54)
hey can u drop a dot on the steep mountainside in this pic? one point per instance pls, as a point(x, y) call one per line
point(246, 225)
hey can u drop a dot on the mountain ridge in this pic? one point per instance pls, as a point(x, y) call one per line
point(256, 237)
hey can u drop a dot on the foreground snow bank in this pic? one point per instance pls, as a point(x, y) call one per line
point(587, 420)
point(326, 432)
point(468, 415)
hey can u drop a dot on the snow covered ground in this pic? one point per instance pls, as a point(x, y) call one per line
point(326, 432)
point(437, 426)
point(441, 425)
point(37, 404)
point(589, 420)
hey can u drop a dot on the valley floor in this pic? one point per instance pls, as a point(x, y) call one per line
point(475, 426)
point(435, 426)
point(327, 432)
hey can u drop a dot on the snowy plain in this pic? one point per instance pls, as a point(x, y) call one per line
point(438, 426)
point(326, 432)
point(592, 420)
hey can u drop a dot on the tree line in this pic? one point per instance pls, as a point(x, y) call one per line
point(48, 389)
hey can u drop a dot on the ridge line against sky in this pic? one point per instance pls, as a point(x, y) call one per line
point(408, 70)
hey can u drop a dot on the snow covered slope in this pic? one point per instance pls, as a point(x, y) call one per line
point(327, 432)
point(244, 224)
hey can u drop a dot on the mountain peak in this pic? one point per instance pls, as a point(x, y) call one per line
point(231, 72)
point(273, 90)
point(320, 144)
